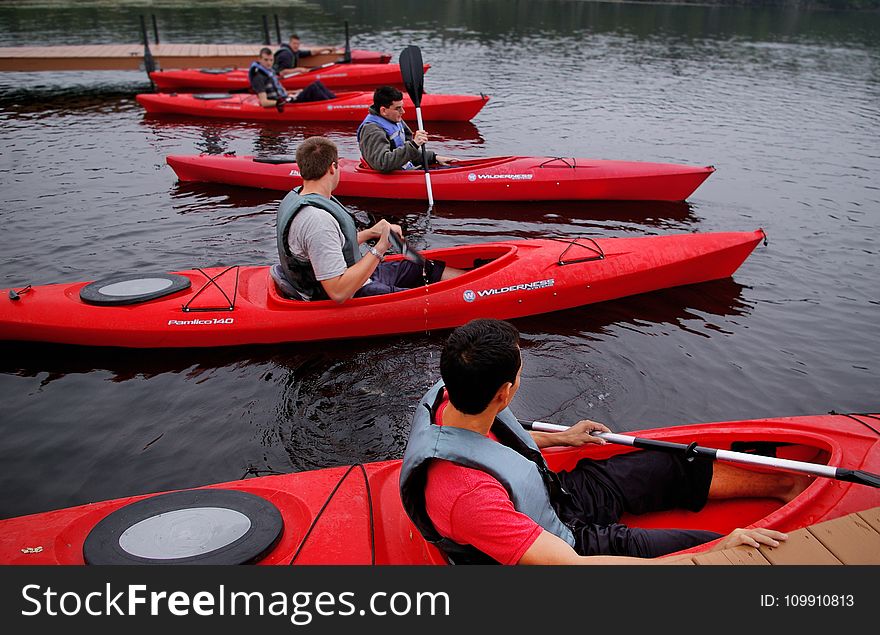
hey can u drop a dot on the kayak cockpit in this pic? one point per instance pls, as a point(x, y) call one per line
point(725, 515)
point(478, 261)
point(458, 166)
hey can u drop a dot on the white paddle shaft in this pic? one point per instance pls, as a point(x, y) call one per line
point(722, 455)
point(425, 159)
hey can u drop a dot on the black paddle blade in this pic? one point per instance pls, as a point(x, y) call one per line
point(347, 57)
point(403, 247)
point(413, 71)
point(859, 476)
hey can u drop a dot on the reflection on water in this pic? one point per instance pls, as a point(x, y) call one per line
point(273, 142)
point(441, 131)
point(659, 214)
point(17, 102)
point(647, 213)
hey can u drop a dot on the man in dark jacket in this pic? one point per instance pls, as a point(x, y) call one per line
point(386, 142)
point(288, 55)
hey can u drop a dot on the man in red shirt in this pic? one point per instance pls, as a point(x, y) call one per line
point(475, 483)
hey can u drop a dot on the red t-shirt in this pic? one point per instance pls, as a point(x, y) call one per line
point(472, 507)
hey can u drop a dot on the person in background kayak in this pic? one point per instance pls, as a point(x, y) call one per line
point(475, 484)
point(265, 83)
point(318, 241)
point(386, 142)
point(287, 57)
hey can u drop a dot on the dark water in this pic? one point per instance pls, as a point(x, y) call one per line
point(785, 103)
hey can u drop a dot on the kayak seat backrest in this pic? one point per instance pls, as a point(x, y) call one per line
point(283, 284)
point(276, 159)
point(212, 95)
point(214, 71)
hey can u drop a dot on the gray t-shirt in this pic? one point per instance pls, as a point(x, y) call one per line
point(316, 237)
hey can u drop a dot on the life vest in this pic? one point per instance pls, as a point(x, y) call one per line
point(300, 272)
point(514, 460)
point(395, 132)
point(255, 68)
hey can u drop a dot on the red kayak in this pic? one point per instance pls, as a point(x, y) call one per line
point(348, 106)
point(242, 305)
point(358, 56)
point(332, 75)
point(285, 518)
point(489, 179)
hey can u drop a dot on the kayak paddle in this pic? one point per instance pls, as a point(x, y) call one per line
point(403, 247)
point(413, 72)
point(693, 450)
point(149, 62)
point(346, 58)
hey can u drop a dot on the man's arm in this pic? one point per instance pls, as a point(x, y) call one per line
point(375, 232)
point(550, 549)
point(259, 85)
point(375, 151)
point(297, 70)
point(430, 156)
point(327, 50)
point(265, 102)
point(342, 288)
point(575, 436)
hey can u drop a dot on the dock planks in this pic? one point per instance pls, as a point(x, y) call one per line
point(852, 540)
point(105, 57)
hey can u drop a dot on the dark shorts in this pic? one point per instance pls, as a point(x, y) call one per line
point(316, 91)
point(635, 483)
point(400, 275)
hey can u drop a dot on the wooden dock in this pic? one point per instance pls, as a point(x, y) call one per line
point(852, 539)
point(108, 57)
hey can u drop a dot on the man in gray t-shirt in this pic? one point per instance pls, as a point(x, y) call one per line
point(315, 236)
point(319, 251)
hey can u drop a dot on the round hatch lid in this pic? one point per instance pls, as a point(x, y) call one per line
point(132, 288)
point(204, 526)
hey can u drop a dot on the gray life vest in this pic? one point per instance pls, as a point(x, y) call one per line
point(299, 272)
point(516, 462)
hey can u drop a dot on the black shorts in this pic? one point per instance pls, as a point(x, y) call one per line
point(635, 483)
point(400, 275)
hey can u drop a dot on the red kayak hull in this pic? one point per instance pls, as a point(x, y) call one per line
point(336, 76)
point(358, 56)
point(489, 179)
point(342, 534)
point(347, 106)
point(521, 278)
point(362, 56)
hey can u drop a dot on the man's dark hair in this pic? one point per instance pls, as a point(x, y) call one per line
point(265, 50)
point(384, 95)
point(477, 359)
point(314, 156)
point(293, 36)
